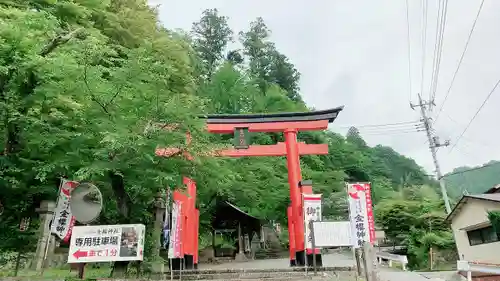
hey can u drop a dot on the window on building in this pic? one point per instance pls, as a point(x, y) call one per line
point(482, 236)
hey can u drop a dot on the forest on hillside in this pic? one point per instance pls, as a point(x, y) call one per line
point(85, 83)
point(473, 180)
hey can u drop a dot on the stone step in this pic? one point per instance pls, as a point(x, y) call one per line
point(277, 276)
point(264, 274)
point(245, 276)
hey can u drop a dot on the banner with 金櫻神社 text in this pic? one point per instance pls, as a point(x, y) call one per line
point(361, 213)
point(63, 220)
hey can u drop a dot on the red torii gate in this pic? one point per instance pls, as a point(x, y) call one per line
point(290, 124)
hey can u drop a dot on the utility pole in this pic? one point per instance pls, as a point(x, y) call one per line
point(433, 144)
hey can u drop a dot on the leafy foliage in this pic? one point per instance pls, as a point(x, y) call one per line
point(415, 217)
point(494, 218)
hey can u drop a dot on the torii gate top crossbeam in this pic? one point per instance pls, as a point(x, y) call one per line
point(271, 122)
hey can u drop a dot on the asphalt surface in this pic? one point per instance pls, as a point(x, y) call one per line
point(335, 260)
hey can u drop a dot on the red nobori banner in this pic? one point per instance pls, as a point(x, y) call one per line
point(63, 220)
point(361, 213)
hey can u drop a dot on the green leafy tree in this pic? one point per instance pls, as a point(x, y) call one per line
point(210, 38)
point(415, 217)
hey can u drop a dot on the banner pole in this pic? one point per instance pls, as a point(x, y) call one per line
point(305, 234)
point(353, 247)
point(313, 248)
point(171, 270)
point(51, 222)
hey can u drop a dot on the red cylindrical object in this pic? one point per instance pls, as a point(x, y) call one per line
point(294, 177)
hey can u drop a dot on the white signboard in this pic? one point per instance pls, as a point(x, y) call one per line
point(312, 212)
point(105, 243)
point(63, 220)
point(361, 213)
point(175, 247)
point(332, 233)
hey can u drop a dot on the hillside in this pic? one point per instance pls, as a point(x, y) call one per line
point(90, 79)
point(478, 180)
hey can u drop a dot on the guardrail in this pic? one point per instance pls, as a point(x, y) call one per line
point(403, 260)
point(472, 268)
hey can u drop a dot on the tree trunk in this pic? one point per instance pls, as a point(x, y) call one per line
point(119, 269)
point(18, 263)
point(124, 205)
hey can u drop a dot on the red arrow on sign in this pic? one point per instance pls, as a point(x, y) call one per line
point(80, 254)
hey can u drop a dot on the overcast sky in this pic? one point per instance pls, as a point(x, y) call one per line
point(354, 53)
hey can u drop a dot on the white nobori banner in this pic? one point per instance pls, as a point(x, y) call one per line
point(175, 246)
point(63, 220)
point(361, 213)
point(312, 213)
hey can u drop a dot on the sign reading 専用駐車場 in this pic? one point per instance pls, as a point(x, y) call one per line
point(105, 243)
point(361, 213)
point(312, 213)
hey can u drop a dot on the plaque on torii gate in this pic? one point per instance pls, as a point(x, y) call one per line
point(289, 123)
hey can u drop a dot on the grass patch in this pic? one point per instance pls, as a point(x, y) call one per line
point(50, 274)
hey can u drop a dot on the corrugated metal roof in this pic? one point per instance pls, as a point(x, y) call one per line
point(491, 197)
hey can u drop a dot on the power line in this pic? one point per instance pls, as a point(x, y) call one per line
point(424, 41)
point(475, 115)
point(381, 125)
point(409, 48)
point(472, 141)
point(434, 56)
point(392, 133)
point(439, 53)
point(391, 129)
point(461, 59)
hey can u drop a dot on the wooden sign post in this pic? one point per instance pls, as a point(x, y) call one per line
point(370, 262)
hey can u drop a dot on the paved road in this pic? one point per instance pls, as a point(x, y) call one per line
point(330, 260)
point(444, 275)
point(387, 274)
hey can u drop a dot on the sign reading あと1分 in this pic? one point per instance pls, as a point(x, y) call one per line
point(361, 213)
point(104, 243)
